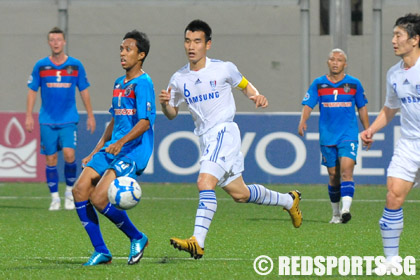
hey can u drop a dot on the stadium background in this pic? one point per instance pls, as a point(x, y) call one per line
point(263, 38)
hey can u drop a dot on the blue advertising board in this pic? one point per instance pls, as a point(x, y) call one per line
point(273, 150)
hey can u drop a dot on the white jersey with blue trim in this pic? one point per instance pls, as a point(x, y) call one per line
point(403, 91)
point(207, 92)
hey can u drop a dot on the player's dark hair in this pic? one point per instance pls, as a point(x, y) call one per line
point(142, 41)
point(56, 30)
point(410, 23)
point(199, 25)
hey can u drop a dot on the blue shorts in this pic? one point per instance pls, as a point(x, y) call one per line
point(123, 166)
point(331, 154)
point(55, 138)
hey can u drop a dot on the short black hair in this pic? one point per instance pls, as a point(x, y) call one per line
point(56, 30)
point(199, 25)
point(142, 41)
point(410, 23)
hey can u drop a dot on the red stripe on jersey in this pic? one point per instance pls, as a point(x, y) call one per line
point(122, 92)
point(57, 73)
point(330, 91)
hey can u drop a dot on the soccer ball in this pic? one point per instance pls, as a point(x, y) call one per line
point(124, 193)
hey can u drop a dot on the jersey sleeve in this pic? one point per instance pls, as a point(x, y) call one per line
point(145, 101)
point(311, 97)
point(392, 101)
point(360, 96)
point(34, 80)
point(235, 77)
point(83, 82)
point(177, 94)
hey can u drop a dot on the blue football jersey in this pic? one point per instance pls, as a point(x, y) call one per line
point(337, 101)
point(131, 102)
point(58, 89)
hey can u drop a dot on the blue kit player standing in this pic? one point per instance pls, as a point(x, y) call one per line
point(205, 85)
point(402, 93)
point(337, 95)
point(123, 150)
point(58, 75)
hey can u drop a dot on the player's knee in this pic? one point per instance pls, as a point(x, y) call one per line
point(240, 197)
point(81, 191)
point(394, 200)
point(347, 175)
point(77, 193)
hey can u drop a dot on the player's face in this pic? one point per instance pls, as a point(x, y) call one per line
point(56, 42)
point(196, 46)
point(129, 54)
point(401, 43)
point(336, 63)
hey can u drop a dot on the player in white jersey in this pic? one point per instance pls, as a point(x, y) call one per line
point(206, 86)
point(403, 92)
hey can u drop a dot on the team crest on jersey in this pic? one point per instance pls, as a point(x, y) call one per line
point(213, 84)
point(346, 88)
point(69, 69)
point(306, 97)
point(418, 89)
point(129, 89)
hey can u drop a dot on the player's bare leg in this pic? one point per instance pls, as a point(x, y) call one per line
point(259, 194)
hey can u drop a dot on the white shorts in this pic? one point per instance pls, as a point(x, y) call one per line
point(405, 162)
point(221, 153)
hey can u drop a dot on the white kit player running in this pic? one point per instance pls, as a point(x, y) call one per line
point(205, 85)
point(403, 92)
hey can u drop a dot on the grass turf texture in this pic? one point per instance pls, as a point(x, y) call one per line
point(39, 244)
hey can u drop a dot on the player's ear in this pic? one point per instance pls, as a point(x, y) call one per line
point(208, 45)
point(141, 56)
point(416, 40)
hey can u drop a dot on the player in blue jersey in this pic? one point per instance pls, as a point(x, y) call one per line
point(206, 86)
point(402, 93)
point(58, 75)
point(337, 95)
point(123, 150)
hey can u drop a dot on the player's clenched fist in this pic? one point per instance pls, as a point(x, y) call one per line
point(165, 96)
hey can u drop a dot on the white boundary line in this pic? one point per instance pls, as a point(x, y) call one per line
point(220, 199)
point(144, 258)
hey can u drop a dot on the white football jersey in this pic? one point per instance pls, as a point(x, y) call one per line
point(207, 92)
point(403, 91)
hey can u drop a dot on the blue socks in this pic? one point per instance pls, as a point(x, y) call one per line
point(51, 174)
point(52, 178)
point(90, 222)
point(334, 193)
point(122, 221)
point(70, 173)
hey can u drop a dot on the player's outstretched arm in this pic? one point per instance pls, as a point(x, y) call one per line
point(30, 103)
point(255, 96)
point(306, 113)
point(90, 122)
point(384, 117)
point(164, 97)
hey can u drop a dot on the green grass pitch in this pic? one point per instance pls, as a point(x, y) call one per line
point(38, 244)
